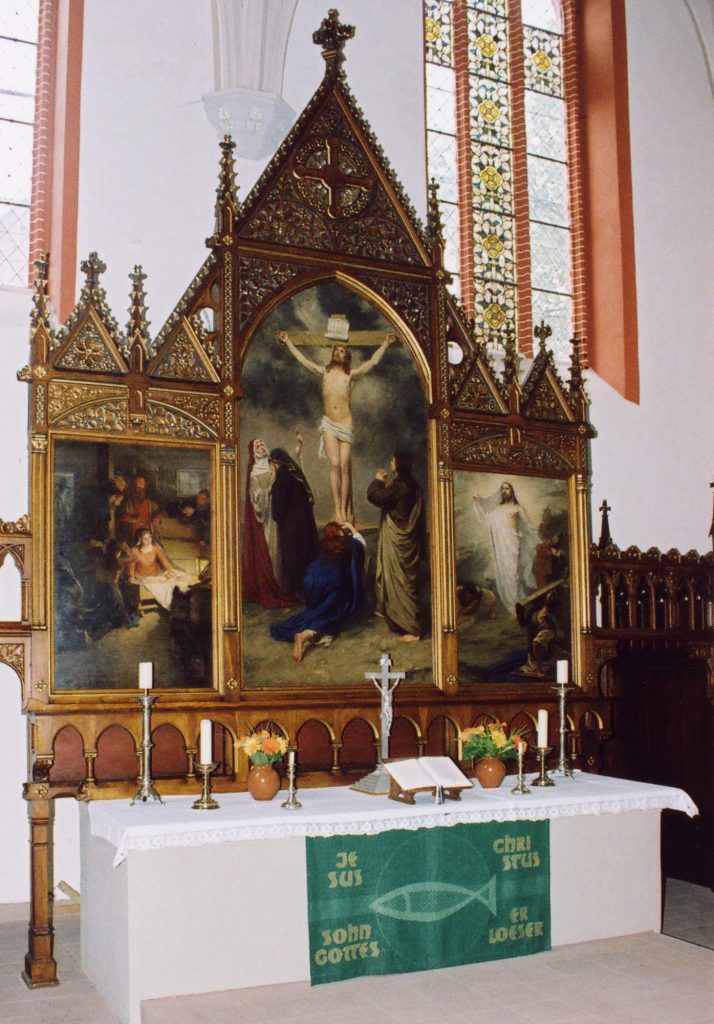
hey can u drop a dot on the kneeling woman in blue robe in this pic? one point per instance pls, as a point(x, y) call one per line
point(333, 588)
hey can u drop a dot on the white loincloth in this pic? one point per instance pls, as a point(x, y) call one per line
point(342, 433)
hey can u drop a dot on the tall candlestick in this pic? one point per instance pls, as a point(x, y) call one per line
point(291, 757)
point(206, 743)
point(146, 675)
point(542, 728)
point(561, 672)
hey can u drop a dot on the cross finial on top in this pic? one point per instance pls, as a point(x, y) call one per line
point(542, 333)
point(332, 36)
point(93, 267)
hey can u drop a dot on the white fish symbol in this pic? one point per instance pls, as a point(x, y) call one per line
point(433, 901)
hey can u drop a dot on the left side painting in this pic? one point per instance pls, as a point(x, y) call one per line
point(132, 532)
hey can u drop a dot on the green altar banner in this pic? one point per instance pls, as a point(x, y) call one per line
point(437, 897)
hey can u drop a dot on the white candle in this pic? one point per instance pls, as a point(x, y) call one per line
point(291, 758)
point(206, 744)
point(146, 674)
point(542, 728)
point(561, 672)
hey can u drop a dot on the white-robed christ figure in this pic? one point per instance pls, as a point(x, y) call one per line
point(338, 381)
point(513, 544)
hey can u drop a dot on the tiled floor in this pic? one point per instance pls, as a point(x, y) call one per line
point(640, 979)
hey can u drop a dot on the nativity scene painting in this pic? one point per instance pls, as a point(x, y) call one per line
point(132, 565)
point(334, 547)
point(512, 572)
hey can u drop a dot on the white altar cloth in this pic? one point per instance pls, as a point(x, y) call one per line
point(342, 811)
point(165, 889)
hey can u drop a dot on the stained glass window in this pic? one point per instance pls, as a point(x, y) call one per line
point(18, 57)
point(507, 70)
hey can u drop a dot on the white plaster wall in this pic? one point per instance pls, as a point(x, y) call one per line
point(148, 170)
point(653, 462)
point(149, 157)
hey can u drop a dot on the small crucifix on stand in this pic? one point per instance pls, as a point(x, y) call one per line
point(378, 781)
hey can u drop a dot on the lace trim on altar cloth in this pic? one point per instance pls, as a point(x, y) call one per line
point(333, 812)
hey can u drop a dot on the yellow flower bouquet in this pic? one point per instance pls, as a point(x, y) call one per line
point(490, 740)
point(263, 747)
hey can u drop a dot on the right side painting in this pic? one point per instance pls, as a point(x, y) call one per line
point(513, 576)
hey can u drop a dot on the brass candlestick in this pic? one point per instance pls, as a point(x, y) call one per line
point(205, 802)
point(563, 767)
point(543, 779)
point(520, 786)
point(146, 790)
point(292, 803)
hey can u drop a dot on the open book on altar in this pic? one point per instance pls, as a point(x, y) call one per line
point(415, 774)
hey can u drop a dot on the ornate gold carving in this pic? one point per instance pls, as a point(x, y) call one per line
point(286, 223)
point(284, 218)
point(13, 655)
point(21, 525)
point(475, 391)
point(185, 358)
point(228, 455)
point(164, 422)
point(259, 278)
point(108, 417)
point(229, 424)
point(332, 177)
point(40, 396)
point(39, 372)
point(228, 340)
point(42, 790)
point(380, 235)
point(65, 396)
point(229, 390)
point(187, 300)
point(542, 402)
point(232, 684)
point(488, 445)
point(41, 685)
point(90, 350)
point(39, 444)
point(410, 300)
point(205, 409)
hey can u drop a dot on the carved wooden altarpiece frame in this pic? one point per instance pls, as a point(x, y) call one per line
point(328, 208)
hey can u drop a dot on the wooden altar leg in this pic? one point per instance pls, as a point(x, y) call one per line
point(40, 965)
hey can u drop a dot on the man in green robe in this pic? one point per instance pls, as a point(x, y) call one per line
point(400, 547)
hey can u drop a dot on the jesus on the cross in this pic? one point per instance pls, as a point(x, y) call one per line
point(338, 381)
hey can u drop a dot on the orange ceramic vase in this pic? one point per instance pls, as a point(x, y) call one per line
point(490, 772)
point(263, 781)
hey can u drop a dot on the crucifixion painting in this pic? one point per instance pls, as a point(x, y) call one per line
point(335, 549)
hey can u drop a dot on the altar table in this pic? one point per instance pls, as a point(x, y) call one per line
point(174, 899)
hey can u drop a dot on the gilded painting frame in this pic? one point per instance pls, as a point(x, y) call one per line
point(427, 677)
point(132, 540)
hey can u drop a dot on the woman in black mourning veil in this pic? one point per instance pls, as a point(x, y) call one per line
point(292, 505)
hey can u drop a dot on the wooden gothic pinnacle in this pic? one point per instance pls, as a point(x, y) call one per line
point(576, 366)
point(227, 177)
point(40, 311)
point(510, 365)
point(332, 36)
point(542, 333)
point(138, 324)
point(434, 212)
point(605, 537)
point(137, 328)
